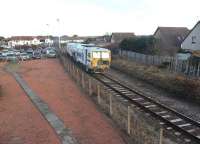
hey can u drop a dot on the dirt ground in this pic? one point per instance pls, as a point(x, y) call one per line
point(20, 121)
point(48, 79)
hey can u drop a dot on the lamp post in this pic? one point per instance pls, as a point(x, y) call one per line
point(48, 35)
point(59, 44)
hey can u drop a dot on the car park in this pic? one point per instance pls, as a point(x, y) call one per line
point(11, 57)
point(22, 50)
point(51, 54)
point(17, 52)
point(30, 52)
point(2, 57)
point(24, 56)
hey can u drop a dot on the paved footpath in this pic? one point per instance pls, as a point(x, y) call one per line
point(20, 121)
point(58, 126)
point(78, 113)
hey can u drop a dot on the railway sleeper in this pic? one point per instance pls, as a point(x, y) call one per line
point(185, 125)
point(176, 120)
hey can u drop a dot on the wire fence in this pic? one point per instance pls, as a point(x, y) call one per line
point(172, 64)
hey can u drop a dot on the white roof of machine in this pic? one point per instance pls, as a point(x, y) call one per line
point(96, 49)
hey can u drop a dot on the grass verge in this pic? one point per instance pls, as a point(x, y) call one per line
point(178, 85)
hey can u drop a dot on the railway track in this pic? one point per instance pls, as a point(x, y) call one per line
point(169, 118)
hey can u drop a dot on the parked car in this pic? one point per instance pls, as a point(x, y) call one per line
point(17, 53)
point(36, 55)
point(11, 57)
point(1, 56)
point(39, 50)
point(30, 52)
point(22, 50)
point(24, 56)
point(51, 54)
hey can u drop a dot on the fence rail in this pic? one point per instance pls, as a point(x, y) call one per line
point(126, 116)
point(173, 64)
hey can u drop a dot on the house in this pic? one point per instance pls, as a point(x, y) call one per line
point(76, 39)
point(169, 39)
point(192, 40)
point(119, 37)
point(28, 40)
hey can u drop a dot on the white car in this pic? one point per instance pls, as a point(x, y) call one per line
point(51, 54)
point(24, 56)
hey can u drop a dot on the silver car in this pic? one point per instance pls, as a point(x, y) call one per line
point(24, 56)
point(51, 54)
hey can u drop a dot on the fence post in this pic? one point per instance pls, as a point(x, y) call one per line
point(198, 71)
point(161, 136)
point(129, 121)
point(98, 94)
point(111, 110)
point(83, 80)
point(74, 72)
point(77, 75)
point(90, 86)
point(68, 66)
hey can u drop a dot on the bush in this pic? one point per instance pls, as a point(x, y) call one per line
point(164, 65)
point(142, 44)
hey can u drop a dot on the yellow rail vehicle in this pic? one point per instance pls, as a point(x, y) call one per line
point(94, 59)
point(100, 59)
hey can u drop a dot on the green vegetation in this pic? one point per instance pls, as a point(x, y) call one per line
point(142, 44)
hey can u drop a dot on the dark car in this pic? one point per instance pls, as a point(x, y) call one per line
point(36, 55)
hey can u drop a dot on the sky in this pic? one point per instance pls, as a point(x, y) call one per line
point(94, 17)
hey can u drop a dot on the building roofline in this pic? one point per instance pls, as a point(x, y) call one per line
point(191, 31)
point(166, 27)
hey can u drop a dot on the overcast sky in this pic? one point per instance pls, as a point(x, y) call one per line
point(94, 17)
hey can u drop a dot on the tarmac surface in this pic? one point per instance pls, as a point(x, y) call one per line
point(22, 121)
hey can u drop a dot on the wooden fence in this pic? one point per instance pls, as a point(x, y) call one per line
point(139, 126)
point(124, 114)
point(172, 64)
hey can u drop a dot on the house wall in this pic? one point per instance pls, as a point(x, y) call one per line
point(161, 44)
point(187, 43)
point(112, 40)
point(165, 48)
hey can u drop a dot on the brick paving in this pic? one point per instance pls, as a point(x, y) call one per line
point(48, 79)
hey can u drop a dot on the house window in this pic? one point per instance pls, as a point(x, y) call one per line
point(194, 39)
point(89, 55)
